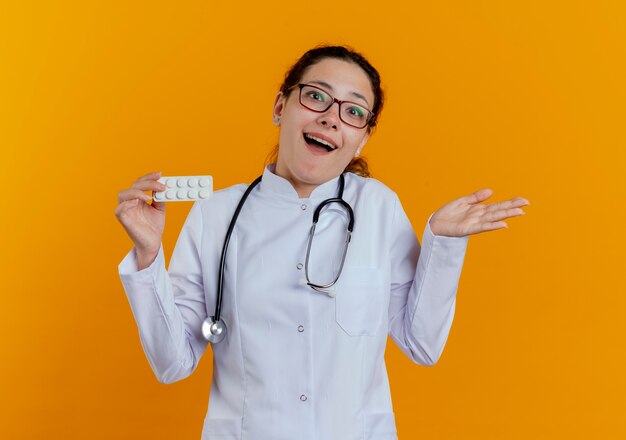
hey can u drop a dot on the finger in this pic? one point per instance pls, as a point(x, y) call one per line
point(515, 202)
point(125, 206)
point(495, 225)
point(487, 226)
point(149, 185)
point(478, 196)
point(508, 204)
point(130, 194)
point(158, 205)
point(151, 176)
point(503, 214)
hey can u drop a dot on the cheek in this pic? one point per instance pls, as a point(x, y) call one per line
point(288, 131)
point(295, 115)
point(344, 158)
point(355, 142)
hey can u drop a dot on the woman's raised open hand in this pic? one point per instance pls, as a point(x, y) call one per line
point(144, 223)
point(466, 215)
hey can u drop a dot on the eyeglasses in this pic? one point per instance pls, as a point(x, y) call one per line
point(319, 100)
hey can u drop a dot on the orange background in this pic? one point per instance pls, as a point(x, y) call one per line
point(525, 97)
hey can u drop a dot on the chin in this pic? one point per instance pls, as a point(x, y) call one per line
point(314, 174)
point(312, 178)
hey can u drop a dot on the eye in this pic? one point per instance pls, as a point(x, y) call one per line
point(356, 112)
point(317, 96)
point(314, 96)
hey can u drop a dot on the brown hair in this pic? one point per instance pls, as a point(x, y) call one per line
point(357, 165)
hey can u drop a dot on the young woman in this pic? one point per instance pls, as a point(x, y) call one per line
point(298, 352)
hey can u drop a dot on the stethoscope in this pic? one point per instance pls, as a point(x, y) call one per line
point(214, 328)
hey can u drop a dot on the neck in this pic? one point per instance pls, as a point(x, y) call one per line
point(303, 189)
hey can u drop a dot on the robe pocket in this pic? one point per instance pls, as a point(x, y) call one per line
point(359, 300)
point(380, 426)
point(222, 429)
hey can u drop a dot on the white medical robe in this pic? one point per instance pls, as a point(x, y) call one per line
point(295, 363)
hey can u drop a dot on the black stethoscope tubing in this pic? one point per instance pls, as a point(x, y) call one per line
point(213, 328)
point(231, 227)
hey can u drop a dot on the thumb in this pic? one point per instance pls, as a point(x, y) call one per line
point(480, 195)
point(158, 205)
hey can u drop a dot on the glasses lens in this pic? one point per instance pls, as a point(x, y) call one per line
point(318, 100)
point(354, 114)
point(314, 98)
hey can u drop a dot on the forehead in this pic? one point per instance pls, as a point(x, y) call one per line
point(347, 81)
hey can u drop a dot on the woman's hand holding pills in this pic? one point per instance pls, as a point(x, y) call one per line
point(143, 222)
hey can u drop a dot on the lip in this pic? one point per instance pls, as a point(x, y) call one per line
point(321, 136)
point(317, 152)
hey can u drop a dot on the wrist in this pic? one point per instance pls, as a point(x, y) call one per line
point(145, 257)
point(434, 227)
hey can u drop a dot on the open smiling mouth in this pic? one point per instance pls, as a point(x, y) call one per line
point(318, 143)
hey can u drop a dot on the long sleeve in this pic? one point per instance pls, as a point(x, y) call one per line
point(169, 307)
point(424, 282)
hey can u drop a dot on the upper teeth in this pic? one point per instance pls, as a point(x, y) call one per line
point(321, 141)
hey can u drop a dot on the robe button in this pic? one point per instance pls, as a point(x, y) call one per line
point(303, 207)
point(299, 266)
point(303, 398)
point(300, 328)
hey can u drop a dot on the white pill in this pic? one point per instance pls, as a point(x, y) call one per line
point(184, 188)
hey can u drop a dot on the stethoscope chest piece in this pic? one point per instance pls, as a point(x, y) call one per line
point(212, 330)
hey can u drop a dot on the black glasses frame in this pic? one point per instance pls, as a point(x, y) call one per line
point(370, 115)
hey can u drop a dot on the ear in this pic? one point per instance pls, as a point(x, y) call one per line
point(279, 105)
point(362, 144)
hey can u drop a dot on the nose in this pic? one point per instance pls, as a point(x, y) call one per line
point(330, 118)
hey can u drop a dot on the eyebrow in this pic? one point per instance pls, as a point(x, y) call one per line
point(328, 86)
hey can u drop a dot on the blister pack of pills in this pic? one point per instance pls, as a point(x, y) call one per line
point(184, 188)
